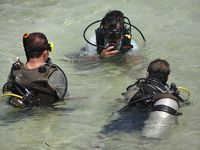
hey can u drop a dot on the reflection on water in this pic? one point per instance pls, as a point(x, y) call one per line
point(128, 120)
point(172, 32)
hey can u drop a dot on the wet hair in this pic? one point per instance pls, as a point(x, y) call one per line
point(112, 19)
point(159, 70)
point(35, 44)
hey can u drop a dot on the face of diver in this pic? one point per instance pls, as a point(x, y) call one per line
point(113, 37)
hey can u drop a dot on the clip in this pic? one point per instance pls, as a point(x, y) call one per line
point(128, 36)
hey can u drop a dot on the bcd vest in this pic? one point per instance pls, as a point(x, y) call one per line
point(36, 81)
point(148, 91)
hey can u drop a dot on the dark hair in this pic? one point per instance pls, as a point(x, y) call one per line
point(34, 44)
point(159, 70)
point(112, 19)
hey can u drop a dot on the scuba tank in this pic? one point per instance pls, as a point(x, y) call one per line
point(161, 118)
point(164, 113)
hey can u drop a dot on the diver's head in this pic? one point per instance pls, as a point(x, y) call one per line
point(35, 44)
point(112, 26)
point(113, 20)
point(159, 69)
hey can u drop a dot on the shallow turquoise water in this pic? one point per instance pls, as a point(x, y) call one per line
point(172, 32)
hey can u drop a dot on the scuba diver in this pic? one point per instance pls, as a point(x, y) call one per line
point(112, 37)
point(146, 91)
point(38, 81)
point(154, 95)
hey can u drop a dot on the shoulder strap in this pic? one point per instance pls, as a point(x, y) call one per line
point(154, 85)
point(147, 90)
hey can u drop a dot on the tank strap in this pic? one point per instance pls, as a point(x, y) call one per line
point(166, 109)
point(164, 95)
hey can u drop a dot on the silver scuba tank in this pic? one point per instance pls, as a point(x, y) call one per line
point(161, 119)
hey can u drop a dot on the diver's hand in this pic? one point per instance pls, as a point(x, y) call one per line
point(108, 52)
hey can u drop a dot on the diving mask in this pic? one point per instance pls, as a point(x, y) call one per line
point(113, 34)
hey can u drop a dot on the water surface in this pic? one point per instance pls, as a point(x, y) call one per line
point(172, 32)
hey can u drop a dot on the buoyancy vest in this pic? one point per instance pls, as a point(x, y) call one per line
point(125, 42)
point(146, 91)
point(36, 81)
